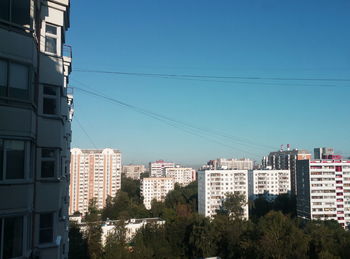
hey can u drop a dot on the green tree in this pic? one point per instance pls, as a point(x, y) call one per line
point(233, 205)
point(77, 243)
point(94, 231)
point(279, 237)
point(116, 246)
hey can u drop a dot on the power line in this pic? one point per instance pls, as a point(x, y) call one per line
point(211, 76)
point(194, 130)
point(85, 132)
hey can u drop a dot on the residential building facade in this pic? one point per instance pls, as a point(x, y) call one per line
point(213, 185)
point(157, 169)
point(182, 175)
point(155, 188)
point(287, 160)
point(269, 183)
point(324, 190)
point(133, 171)
point(36, 108)
point(231, 164)
point(95, 174)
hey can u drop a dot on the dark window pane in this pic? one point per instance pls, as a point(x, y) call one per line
point(13, 233)
point(47, 169)
point(1, 160)
point(21, 12)
point(46, 228)
point(47, 152)
point(3, 75)
point(49, 106)
point(49, 90)
point(51, 29)
point(18, 81)
point(50, 45)
point(5, 10)
point(14, 159)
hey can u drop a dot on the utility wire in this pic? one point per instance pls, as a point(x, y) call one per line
point(85, 132)
point(174, 123)
point(211, 76)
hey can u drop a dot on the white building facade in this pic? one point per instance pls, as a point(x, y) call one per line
point(155, 188)
point(133, 171)
point(95, 174)
point(213, 185)
point(35, 134)
point(269, 183)
point(324, 190)
point(157, 169)
point(182, 175)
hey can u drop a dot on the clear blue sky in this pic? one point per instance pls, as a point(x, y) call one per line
point(265, 38)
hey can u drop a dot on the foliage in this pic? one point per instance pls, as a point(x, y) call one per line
point(94, 231)
point(77, 243)
point(233, 205)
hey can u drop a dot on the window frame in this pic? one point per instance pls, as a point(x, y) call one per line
point(24, 234)
point(54, 159)
point(27, 162)
point(56, 37)
point(10, 20)
point(43, 244)
point(30, 76)
point(55, 97)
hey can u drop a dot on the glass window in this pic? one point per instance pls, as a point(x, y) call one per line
point(5, 10)
point(50, 100)
point(51, 38)
point(47, 162)
point(14, 159)
point(3, 76)
point(1, 159)
point(46, 228)
point(18, 81)
point(12, 237)
point(20, 12)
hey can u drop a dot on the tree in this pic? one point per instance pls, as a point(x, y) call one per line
point(94, 231)
point(77, 243)
point(279, 237)
point(233, 205)
point(116, 247)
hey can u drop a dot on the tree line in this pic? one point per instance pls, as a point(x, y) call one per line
point(273, 230)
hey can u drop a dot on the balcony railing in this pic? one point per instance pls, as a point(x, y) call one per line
point(67, 51)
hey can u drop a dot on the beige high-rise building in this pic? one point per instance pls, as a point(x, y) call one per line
point(94, 174)
point(36, 109)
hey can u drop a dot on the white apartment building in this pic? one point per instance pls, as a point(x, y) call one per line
point(95, 173)
point(155, 188)
point(35, 128)
point(269, 183)
point(133, 171)
point(182, 175)
point(157, 169)
point(213, 185)
point(324, 190)
point(231, 164)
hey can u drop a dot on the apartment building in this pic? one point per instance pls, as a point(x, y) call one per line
point(182, 175)
point(156, 188)
point(95, 173)
point(324, 190)
point(269, 183)
point(213, 185)
point(231, 164)
point(133, 171)
point(286, 160)
point(157, 169)
point(36, 108)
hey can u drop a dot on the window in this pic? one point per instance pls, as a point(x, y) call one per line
point(48, 162)
point(15, 11)
point(51, 33)
point(50, 100)
point(11, 241)
point(12, 159)
point(46, 228)
point(14, 80)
